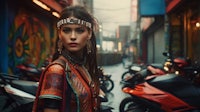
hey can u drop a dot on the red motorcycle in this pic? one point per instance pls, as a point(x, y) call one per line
point(160, 93)
point(171, 65)
point(182, 66)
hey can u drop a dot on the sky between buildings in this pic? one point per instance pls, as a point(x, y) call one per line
point(111, 14)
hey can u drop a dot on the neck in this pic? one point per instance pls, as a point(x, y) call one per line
point(75, 58)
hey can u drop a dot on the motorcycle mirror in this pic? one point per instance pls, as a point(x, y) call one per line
point(166, 54)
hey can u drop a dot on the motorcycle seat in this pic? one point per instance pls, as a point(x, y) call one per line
point(157, 65)
point(26, 86)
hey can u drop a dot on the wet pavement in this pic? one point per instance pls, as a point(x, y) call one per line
point(116, 95)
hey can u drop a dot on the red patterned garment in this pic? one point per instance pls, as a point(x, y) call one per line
point(72, 86)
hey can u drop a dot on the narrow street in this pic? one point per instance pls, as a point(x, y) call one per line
point(116, 95)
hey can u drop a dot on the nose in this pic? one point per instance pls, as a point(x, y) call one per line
point(73, 36)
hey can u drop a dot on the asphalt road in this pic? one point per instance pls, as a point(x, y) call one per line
point(116, 95)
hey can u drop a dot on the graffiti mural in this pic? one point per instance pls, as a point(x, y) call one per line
point(29, 40)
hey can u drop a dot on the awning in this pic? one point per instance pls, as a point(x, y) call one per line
point(151, 7)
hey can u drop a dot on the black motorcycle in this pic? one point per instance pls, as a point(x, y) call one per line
point(103, 107)
point(16, 95)
point(132, 69)
point(106, 83)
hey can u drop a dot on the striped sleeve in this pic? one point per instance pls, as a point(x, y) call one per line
point(52, 84)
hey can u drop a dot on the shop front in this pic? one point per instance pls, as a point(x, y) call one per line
point(184, 29)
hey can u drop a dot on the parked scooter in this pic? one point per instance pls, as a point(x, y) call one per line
point(106, 83)
point(160, 93)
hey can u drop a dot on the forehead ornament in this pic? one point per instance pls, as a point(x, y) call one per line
point(74, 21)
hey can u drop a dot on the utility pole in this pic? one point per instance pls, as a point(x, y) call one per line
point(138, 30)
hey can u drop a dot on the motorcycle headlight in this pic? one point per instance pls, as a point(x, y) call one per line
point(167, 66)
point(177, 72)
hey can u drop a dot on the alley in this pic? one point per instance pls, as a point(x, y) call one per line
point(116, 95)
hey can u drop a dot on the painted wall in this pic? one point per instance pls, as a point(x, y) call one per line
point(30, 37)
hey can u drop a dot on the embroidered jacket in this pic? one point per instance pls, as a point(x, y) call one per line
point(69, 83)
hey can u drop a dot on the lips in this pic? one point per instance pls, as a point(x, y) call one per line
point(73, 44)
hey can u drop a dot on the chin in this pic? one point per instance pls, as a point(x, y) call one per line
point(74, 50)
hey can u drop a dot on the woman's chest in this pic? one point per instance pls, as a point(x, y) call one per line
point(80, 82)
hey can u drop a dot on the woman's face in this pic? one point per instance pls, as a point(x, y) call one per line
point(74, 37)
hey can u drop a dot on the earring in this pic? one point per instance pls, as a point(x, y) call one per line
point(60, 46)
point(89, 47)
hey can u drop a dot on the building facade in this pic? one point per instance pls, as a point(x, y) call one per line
point(177, 31)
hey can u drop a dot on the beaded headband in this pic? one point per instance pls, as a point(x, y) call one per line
point(74, 21)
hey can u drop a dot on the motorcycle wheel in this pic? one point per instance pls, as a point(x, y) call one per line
point(109, 84)
point(126, 75)
point(129, 105)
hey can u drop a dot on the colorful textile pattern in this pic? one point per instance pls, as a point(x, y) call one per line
point(73, 88)
point(81, 87)
point(53, 83)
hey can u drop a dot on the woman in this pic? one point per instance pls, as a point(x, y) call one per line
point(70, 83)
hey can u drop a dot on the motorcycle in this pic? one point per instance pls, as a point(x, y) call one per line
point(183, 67)
point(132, 69)
point(103, 98)
point(16, 95)
point(171, 65)
point(160, 93)
point(179, 66)
point(175, 65)
point(165, 67)
point(106, 83)
point(30, 71)
point(155, 69)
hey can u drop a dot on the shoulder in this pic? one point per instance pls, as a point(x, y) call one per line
point(53, 71)
point(55, 67)
point(58, 65)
